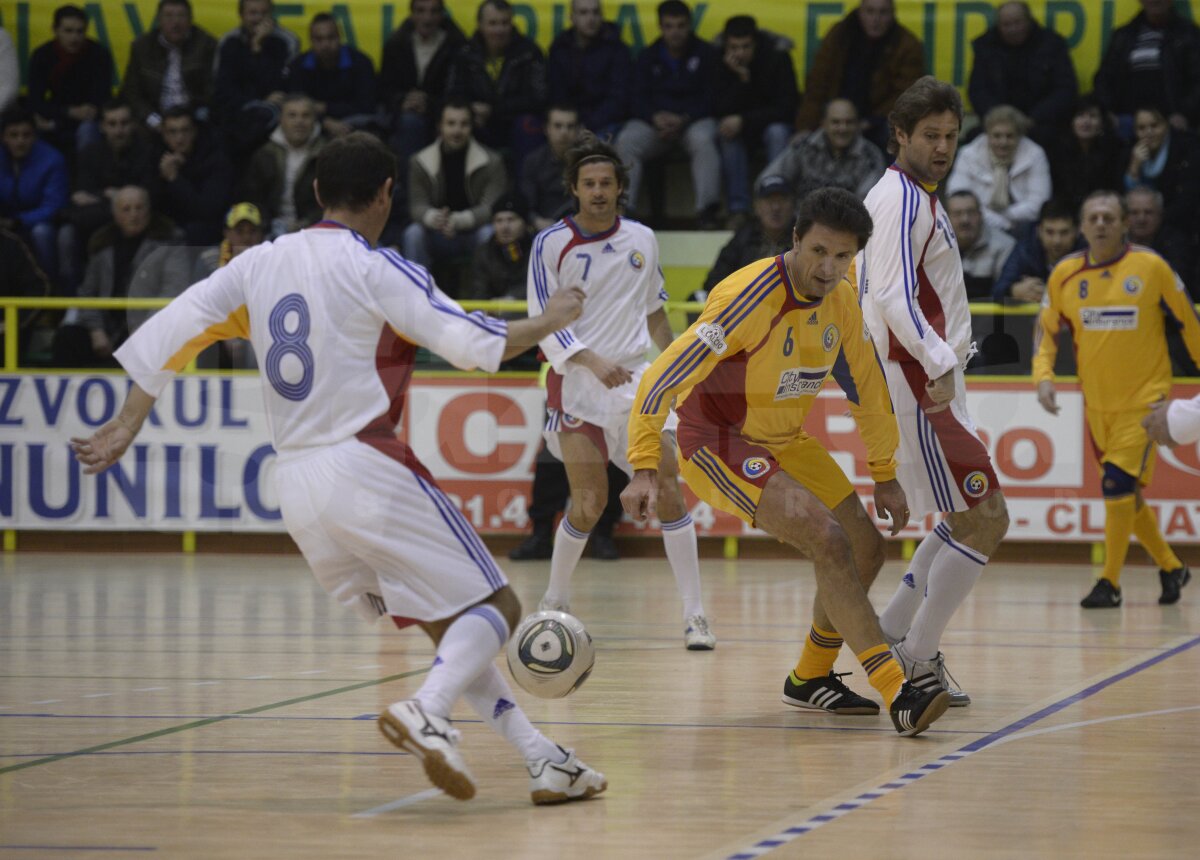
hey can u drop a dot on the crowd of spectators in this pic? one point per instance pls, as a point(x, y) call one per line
point(208, 146)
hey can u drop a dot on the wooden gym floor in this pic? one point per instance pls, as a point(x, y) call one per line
point(222, 707)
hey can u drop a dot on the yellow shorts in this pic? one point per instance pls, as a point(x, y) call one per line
point(1119, 438)
point(730, 472)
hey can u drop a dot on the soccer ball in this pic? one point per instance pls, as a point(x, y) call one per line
point(551, 654)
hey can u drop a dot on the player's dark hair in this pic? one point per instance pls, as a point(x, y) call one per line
point(324, 18)
point(455, 103)
point(16, 115)
point(177, 111)
point(1104, 192)
point(741, 27)
point(113, 105)
point(965, 192)
point(498, 5)
point(589, 150)
point(186, 4)
point(1056, 209)
point(837, 209)
point(352, 169)
point(674, 9)
point(927, 96)
point(62, 13)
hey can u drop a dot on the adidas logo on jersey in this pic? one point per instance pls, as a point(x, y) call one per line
point(812, 320)
point(608, 248)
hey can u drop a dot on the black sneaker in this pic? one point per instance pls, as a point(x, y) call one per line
point(826, 694)
point(604, 549)
point(1105, 595)
point(539, 545)
point(914, 710)
point(1172, 582)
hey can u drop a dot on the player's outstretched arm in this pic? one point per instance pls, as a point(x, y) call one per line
point(106, 445)
point(562, 309)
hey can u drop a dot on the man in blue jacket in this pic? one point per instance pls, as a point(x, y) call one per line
point(673, 87)
point(589, 68)
point(33, 186)
point(338, 78)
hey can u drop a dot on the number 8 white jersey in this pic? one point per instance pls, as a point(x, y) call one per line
point(335, 326)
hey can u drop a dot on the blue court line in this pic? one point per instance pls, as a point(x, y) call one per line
point(78, 848)
point(765, 846)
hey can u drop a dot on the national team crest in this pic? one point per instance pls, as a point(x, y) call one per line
point(753, 467)
point(1133, 285)
point(975, 484)
point(571, 422)
point(637, 261)
point(830, 337)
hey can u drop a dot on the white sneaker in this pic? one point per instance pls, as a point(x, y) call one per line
point(553, 605)
point(924, 673)
point(559, 782)
point(697, 636)
point(431, 739)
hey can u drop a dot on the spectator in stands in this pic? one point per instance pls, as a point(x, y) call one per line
point(767, 234)
point(836, 154)
point(1008, 172)
point(195, 178)
point(1023, 278)
point(1018, 62)
point(10, 76)
point(755, 104)
point(868, 58)
point(1155, 60)
point(590, 69)
point(453, 183)
point(23, 278)
point(249, 86)
point(33, 186)
point(673, 85)
point(501, 264)
point(87, 338)
point(415, 72)
point(502, 74)
point(70, 77)
point(243, 229)
point(338, 78)
point(279, 180)
point(1168, 160)
point(542, 173)
point(171, 64)
point(983, 248)
point(1085, 156)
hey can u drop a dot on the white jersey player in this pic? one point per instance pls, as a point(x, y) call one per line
point(597, 363)
point(335, 324)
point(914, 300)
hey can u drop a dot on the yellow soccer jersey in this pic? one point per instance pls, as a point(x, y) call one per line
point(1115, 312)
point(754, 362)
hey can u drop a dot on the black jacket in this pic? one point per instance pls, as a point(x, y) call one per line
point(1037, 78)
point(347, 90)
point(595, 80)
point(747, 245)
point(499, 272)
point(686, 87)
point(243, 76)
point(770, 96)
point(201, 192)
point(520, 89)
point(1115, 85)
point(398, 69)
point(58, 81)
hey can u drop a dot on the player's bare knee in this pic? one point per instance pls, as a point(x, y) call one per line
point(830, 542)
point(509, 605)
point(670, 500)
point(871, 558)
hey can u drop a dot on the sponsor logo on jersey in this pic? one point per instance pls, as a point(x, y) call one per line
point(637, 260)
point(829, 339)
point(753, 467)
point(712, 336)
point(1133, 285)
point(800, 381)
point(812, 320)
point(975, 484)
point(571, 422)
point(608, 248)
point(1109, 319)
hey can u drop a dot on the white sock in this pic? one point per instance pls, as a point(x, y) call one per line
point(898, 616)
point(568, 547)
point(468, 646)
point(951, 577)
point(492, 698)
point(679, 538)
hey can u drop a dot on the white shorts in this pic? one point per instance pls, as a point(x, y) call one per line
point(379, 534)
point(942, 464)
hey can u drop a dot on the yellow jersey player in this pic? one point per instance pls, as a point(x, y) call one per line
point(742, 379)
point(1114, 297)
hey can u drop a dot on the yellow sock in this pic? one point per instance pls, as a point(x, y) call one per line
point(883, 671)
point(819, 654)
point(1145, 529)
point(1118, 526)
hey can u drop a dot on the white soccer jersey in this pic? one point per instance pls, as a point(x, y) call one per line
point(335, 326)
point(910, 278)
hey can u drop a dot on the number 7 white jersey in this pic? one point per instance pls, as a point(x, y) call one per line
point(335, 326)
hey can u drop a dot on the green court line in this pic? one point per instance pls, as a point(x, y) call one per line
point(207, 721)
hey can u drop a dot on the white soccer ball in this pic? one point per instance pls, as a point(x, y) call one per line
point(551, 654)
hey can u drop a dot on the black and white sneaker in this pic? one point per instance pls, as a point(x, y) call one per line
point(914, 710)
point(1105, 595)
point(930, 674)
point(1173, 582)
point(828, 694)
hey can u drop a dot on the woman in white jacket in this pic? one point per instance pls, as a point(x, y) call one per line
point(1008, 172)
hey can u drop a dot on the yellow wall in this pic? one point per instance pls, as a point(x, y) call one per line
point(946, 26)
